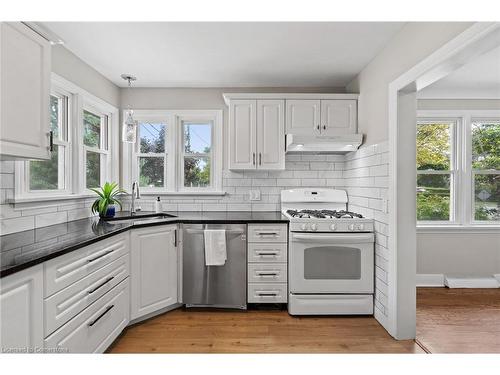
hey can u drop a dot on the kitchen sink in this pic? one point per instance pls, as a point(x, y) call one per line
point(142, 217)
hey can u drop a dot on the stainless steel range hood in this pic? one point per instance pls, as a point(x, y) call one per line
point(340, 144)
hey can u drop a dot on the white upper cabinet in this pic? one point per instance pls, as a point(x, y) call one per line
point(154, 269)
point(270, 134)
point(21, 310)
point(25, 65)
point(338, 117)
point(257, 134)
point(303, 117)
point(242, 133)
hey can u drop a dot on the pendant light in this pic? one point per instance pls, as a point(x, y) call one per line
point(129, 130)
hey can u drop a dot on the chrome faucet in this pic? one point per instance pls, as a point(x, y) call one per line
point(135, 195)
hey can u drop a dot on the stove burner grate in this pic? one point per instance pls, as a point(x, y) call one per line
point(324, 214)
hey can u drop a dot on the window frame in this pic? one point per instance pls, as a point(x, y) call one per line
point(174, 148)
point(75, 187)
point(464, 185)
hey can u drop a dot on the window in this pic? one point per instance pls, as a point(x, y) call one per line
point(458, 168)
point(486, 169)
point(96, 147)
point(436, 171)
point(152, 155)
point(51, 176)
point(196, 154)
point(177, 152)
point(82, 156)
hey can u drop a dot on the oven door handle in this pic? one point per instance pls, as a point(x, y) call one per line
point(334, 238)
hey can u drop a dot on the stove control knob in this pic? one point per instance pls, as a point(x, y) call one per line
point(361, 227)
point(351, 227)
point(314, 227)
point(303, 227)
point(333, 227)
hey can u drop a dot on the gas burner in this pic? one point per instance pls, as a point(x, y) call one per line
point(323, 214)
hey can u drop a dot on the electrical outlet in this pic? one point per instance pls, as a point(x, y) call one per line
point(255, 195)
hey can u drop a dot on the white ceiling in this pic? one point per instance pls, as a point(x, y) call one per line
point(275, 54)
point(479, 79)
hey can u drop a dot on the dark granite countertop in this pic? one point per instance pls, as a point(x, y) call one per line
point(25, 249)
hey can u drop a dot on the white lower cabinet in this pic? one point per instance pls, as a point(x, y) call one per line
point(154, 269)
point(21, 311)
point(95, 328)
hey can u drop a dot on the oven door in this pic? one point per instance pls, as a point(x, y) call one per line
point(331, 262)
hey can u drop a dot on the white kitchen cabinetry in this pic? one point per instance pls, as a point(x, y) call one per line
point(21, 310)
point(257, 134)
point(338, 117)
point(24, 93)
point(303, 117)
point(326, 117)
point(154, 269)
point(267, 263)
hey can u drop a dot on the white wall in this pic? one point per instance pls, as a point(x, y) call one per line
point(414, 42)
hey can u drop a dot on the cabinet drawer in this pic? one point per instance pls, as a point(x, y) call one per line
point(267, 273)
point(267, 293)
point(267, 233)
point(65, 304)
point(67, 269)
point(267, 252)
point(95, 328)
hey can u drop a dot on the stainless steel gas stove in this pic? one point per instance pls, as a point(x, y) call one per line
point(331, 254)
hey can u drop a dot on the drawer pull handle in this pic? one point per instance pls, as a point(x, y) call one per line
point(267, 274)
point(100, 316)
point(268, 234)
point(267, 253)
point(101, 285)
point(267, 294)
point(99, 257)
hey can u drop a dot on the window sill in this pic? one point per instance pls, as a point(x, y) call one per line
point(479, 228)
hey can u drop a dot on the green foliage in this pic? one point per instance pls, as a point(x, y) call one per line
point(107, 196)
point(433, 146)
point(196, 169)
point(91, 129)
point(433, 207)
point(486, 146)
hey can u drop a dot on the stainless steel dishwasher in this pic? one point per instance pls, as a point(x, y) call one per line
point(214, 286)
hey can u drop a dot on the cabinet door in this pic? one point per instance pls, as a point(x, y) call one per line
point(21, 310)
point(270, 134)
point(24, 93)
point(242, 134)
point(153, 269)
point(338, 117)
point(303, 117)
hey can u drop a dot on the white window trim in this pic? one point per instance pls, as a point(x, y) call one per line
point(173, 145)
point(75, 167)
point(464, 189)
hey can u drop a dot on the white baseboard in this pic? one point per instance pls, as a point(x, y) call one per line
point(430, 280)
point(497, 276)
point(471, 282)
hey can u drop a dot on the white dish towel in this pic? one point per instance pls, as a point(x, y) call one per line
point(215, 247)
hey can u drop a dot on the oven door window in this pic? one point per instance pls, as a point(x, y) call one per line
point(332, 263)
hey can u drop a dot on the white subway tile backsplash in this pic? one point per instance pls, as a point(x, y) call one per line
point(44, 220)
point(17, 224)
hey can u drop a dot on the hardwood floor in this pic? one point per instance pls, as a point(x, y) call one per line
point(187, 331)
point(458, 320)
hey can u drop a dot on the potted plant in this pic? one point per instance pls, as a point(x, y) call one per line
point(104, 205)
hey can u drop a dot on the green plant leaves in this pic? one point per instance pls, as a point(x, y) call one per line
point(107, 196)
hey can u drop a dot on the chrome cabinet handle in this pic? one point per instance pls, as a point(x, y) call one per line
point(99, 257)
point(318, 127)
point(260, 158)
point(267, 234)
point(267, 294)
point(100, 316)
point(101, 285)
point(324, 127)
point(267, 273)
point(254, 158)
point(267, 253)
